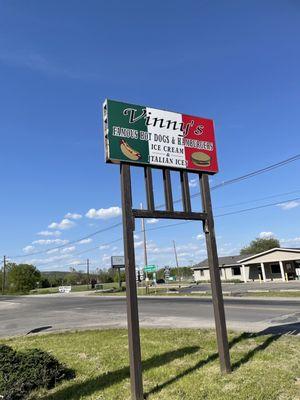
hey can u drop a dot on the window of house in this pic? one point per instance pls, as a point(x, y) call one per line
point(201, 272)
point(221, 272)
point(275, 269)
point(236, 270)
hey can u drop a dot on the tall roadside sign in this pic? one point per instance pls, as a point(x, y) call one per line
point(147, 136)
point(152, 138)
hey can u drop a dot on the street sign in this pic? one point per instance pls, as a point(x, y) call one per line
point(117, 262)
point(167, 273)
point(148, 136)
point(65, 289)
point(141, 275)
point(150, 268)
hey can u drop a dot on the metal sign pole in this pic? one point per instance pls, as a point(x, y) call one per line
point(131, 292)
point(216, 287)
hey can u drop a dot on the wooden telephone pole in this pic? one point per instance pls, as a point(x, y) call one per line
point(176, 259)
point(4, 275)
point(88, 272)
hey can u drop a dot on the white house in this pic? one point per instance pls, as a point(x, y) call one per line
point(279, 264)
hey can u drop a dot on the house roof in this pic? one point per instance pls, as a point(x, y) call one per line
point(240, 259)
point(223, 261)
point(283, 249)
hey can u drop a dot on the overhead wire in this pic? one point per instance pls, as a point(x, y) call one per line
point(183, 223)
point(68, 244)
point(222, 184)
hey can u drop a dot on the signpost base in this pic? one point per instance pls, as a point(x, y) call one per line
point(131, 292)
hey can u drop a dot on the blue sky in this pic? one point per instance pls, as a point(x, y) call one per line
point(236, 62)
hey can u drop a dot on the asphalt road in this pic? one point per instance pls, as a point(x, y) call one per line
point(30, 314)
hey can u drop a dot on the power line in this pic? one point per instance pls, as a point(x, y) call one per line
point(222, 184)
point(258, 199)
point(184, 222)
point(67, 244)
point(257, 207)
point(246, 176)
point(257, 172)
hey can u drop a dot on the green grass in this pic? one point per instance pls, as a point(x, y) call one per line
point(177, 365)
point(75, 288)
point(274, 293)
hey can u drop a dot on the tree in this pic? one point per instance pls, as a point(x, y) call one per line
point(23, 277)
point(259, 245)
point(73, 278)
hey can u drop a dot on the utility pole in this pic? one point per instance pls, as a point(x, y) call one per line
point(176, 258)
point(145, 242)
point(3, 275)
point(88, 271)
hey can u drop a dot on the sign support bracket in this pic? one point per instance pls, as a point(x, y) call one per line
point(131, 291)
point(216, 287)
point(129, 215)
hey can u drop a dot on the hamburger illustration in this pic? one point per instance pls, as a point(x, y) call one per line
point(200, 159)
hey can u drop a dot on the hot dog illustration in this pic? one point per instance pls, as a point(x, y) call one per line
point(128, 151)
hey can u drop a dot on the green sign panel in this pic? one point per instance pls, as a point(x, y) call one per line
point(150, 268)
point(148, 136)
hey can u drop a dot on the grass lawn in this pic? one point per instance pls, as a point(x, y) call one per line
point(273, 293)
point(75, 288)
point(177, 365)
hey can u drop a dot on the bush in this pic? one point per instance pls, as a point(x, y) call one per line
point(23, 372)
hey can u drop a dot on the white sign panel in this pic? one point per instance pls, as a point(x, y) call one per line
point(117, 261)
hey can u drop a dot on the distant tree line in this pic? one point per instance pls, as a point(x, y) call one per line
point(22, 278)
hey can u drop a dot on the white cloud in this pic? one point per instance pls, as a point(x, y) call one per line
point(139, 244)
point(73, 216)
point(50, 241)
point(28, 249)
point(64, 224)
point(75, 262)
point(152, 221)
point(104, 246)
point(289, 205)
point(52, 251)
point(104, 213)
point(49, 233)
point(228, 252)
point(200, 236)
point(68, 249)
point(266, 235)
point(189, 246)
point(105, 258)
point(51, 259)
point(183, 255)
point(136, 237)
point(295, 240)
point(84, 241)
point(193, 182)
point(200, 251)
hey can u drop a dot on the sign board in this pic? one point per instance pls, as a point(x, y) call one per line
point(117, 262)
point(65, 289)
point(142, 135)
point(150, 268)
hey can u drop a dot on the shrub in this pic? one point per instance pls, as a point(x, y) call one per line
point(23, 372)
